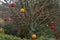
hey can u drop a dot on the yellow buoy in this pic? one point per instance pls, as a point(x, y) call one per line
point(22, 10)
point(34, 36)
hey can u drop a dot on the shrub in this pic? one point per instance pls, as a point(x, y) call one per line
point(8, 37)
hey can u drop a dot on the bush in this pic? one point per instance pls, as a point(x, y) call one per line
point(10, 37)
point(7, 37)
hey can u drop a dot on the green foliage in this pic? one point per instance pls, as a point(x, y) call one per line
point(8, 28)
point(8, 37)
point(45, 38)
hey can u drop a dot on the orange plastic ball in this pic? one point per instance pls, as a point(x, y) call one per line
point(22, 10)
point(34, 36)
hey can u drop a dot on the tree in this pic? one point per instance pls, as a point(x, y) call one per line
point(34, 16)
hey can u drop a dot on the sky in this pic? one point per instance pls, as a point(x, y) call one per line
point(7, 1)
point(2, 1)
